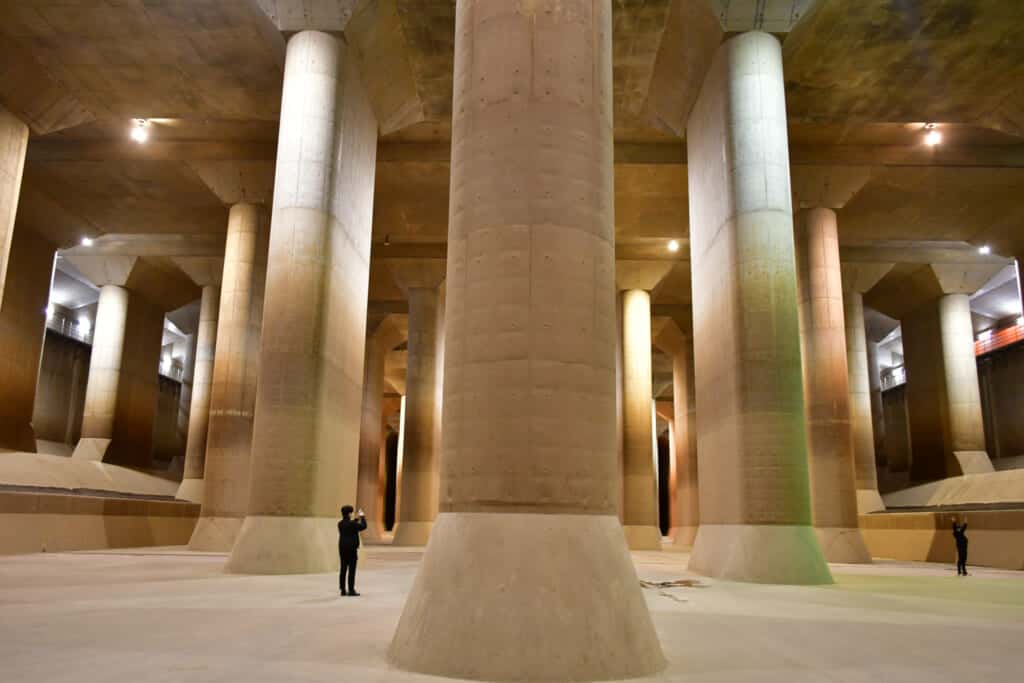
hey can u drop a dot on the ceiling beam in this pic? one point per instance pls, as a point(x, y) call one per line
point(971, 156)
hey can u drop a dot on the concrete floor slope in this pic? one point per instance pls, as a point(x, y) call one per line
point(164, 614)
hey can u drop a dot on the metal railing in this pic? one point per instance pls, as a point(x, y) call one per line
point(893, 377)
point(65, 326)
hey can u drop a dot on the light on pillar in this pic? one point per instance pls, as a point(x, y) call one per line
point(673, 246)
point(933, 136)
point(140, 131)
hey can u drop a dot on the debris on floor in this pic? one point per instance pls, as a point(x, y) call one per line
point(660, 586)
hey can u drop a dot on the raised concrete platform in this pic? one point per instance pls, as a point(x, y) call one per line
point(969, 489)
point(161, 615)
point(43, 471)
point(32, 522)
point(996, 537)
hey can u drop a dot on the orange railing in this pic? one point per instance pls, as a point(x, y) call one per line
point(997, 339)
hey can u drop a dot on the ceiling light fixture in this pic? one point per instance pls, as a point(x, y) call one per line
point(984, 250)
point(933, 137)
point(86, 241)
point(140, 130)
point(673, 246)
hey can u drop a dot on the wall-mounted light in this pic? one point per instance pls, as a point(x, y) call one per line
point(86, 241)
point(49, 311)
point(140, 130)
point(984, 250)
point(932, 137)
point(673, 246)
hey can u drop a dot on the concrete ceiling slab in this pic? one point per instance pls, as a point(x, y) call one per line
point(956, 61)
point(772, 16)
point(308, 15)
point(151, 58)
point(235, 182)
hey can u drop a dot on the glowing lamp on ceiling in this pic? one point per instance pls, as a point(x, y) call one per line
point(140, 130)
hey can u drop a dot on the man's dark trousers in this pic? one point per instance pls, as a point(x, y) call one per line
point(961, 558)
point(348, 565)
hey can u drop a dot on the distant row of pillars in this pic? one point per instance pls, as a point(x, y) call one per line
point(839, 375)
point(774, 427)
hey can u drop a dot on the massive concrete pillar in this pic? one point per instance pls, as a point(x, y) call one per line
point(305, 444)
point(186, 348)
point(13, 144)
point(370, 492)
point(104, 369)
point(877, 412)
point(22, 331)
point(233, 387)
point(827, 388)
point(866, 416)
point(755, 513)
point(528, 556)
point(862, 381)
point(685, 511)
point(859, 371)
point(639, 474)
point(418, 498)
point(26, 265)
point(121, 392)
point(191, 488)
point(943, 399)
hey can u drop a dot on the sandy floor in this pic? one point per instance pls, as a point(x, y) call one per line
point(170, 615)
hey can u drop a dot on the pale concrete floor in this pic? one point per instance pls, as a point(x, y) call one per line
point(170, 615)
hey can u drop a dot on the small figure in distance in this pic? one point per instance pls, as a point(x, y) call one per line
point(960, 535)
point(348, 547)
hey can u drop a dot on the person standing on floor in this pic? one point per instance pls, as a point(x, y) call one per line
point(348, 548)
point(960, 536)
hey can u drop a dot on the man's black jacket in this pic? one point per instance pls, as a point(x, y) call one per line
point(348, 534)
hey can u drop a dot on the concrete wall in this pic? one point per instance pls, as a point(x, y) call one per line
point(996, 537)
point(1001, 375)
point(60, 393)
point(167, 441)
point(22, 325)
point(897, 440)
point(132, 442)
point(38, 522)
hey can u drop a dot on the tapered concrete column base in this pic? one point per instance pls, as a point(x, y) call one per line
point(642, 537)
point(974, 462)
point(844, 545)
point(763, 553)
point(869, 500)
point(285, 545)
point(522, 597)
point(190, 490)
point(376, 533)
point(91, 448)
point(412, 533)
point(683, 536)
point(215, 534)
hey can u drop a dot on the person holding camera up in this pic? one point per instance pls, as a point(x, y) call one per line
point(348, 547)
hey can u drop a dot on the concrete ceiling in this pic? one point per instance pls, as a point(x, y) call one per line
point(862, 79)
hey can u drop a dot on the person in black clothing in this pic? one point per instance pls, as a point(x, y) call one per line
point(348, 547)
point(960, 535)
